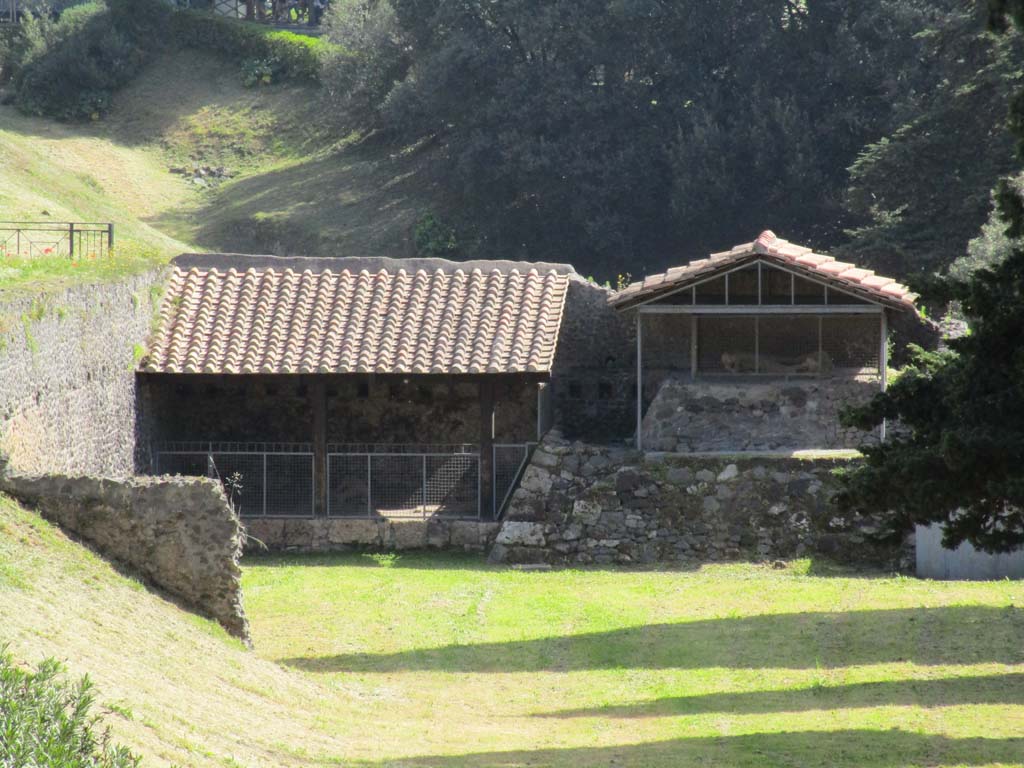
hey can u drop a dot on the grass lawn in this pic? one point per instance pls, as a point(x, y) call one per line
point(419, 661)
point(458, 664)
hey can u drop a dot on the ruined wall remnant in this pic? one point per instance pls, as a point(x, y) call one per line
point(177, 533)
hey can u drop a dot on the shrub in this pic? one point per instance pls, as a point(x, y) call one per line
point(45, 720)
point(70, 67)
point(433, 237)
point(298, 56)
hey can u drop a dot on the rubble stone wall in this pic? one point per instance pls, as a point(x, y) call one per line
point(581, 503)
point(754, 415)
point(179, 533)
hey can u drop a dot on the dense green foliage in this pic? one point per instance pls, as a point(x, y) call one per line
point(290, 55)
point(45, 721)
point(69, 67)
point(619, 133)
point(924, 190)
point(958, 459)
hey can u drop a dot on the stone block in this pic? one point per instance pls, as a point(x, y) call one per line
point(586, 512)
point(408, 534)
point(521, 533)
point(355, 532)
point(438, 533)
point(544, 459)
point(731, 472)
point(465, 534)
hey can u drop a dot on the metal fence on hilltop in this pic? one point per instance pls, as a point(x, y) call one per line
point(42, 239)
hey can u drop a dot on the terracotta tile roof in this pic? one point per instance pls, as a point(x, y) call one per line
point(768, 247)
point(273, 320)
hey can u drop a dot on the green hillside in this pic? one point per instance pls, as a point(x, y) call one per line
point(432, 660)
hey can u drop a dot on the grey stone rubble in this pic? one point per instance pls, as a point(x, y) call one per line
point(177, 533)
point(754, 415)
point(581, 503)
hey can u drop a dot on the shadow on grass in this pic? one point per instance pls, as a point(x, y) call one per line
point(927, 636)
point(855, 747)
point(944, 692)
point(361, 200)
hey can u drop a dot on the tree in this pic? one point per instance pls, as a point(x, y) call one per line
point(922, 191)
point(617, 133)
point(958, 458)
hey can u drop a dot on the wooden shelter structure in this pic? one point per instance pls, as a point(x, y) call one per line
point(353, 387)
point(768, 308)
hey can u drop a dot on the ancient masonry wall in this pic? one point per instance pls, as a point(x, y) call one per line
point(178, 533)
point(754, 415)
point(580, 503)
point(67, 394)
point(377, 534)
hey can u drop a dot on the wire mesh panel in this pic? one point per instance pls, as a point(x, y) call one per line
point(452, 484)
point(396, 485)
point(726, 344)
point(289, 484)
point(180, 463)
point(788, 345)
point(666, 342)
point(348, 485)
point(242, 477)
point(850, 343)
point(509, 462)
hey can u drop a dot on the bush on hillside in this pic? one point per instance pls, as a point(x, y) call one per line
point(45, 720)
point(69, 68)
point(298, 57)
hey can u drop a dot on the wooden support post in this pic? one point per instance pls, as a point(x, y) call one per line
point(318, 395)
point(488, 506)
point(639, 382)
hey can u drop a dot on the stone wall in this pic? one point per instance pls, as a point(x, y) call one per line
point(754, 415)
point(178, 533)
point(376, 534)
point(67, 395)
point(580, 503)
point(592, 376)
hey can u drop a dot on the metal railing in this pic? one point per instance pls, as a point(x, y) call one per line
point(510, 460)
point(260, 479)
point(41, 239)
point(403, 481)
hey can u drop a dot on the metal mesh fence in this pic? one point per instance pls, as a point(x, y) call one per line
point(788, 345)
point(509, 462)
point(792, 345)
point(398, 481)
point(851, 343)
point(452, 485)
point(726, 344)
point(259, 479)
point(348, 485)
point(396, 485)
point(289, 482)
point(242, 475)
